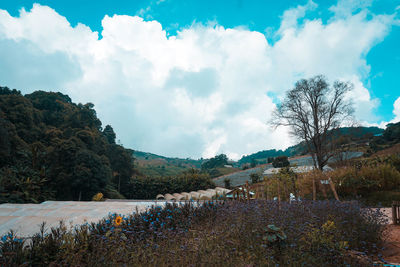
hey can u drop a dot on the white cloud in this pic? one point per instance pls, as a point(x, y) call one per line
point(291, 16)
point(345, 8)
point(199, 93)
point(396, 113)
point(396, 110)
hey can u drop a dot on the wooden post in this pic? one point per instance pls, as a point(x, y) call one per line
point(395, 212)
point(262, 191)
point(247, 190)
point(323, 189)
point(314, 188)
point(279, 191)
point(285, 192)
point(243, 193)
point(333, 189)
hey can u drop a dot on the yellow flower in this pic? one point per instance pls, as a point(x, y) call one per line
point(118, 220)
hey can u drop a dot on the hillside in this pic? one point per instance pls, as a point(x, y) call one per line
point(348, 135)
point(52, 148)
point(153, 165)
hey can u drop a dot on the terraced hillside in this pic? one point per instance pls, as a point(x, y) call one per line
point(240, 177)
point(153, 165)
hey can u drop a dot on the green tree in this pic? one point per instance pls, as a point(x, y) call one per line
point(280, 162)
point(217, 161)
point(255, 178)
point(109, 134)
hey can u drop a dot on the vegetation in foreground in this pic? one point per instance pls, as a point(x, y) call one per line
point(222, 233)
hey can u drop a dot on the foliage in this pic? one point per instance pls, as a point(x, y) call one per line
point(227, 183)
point(219, 233)
point(255, 178)
point(51, 148)
point(367, 179)
point(281, 185)
point(392, 132)
point(109, 134)
point(150, 187)
point(98, 197)
point(280, 162)
point(217, 161)
point(152, 165)
point(274, 234)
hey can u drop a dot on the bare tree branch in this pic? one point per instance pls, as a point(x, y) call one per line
point(314, 110)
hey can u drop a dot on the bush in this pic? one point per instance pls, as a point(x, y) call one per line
point(149, 188)
point(255, 178)
point(112, 193)
point(227, 183)
point(280, 162)
point(352, 182)
point(98, 197)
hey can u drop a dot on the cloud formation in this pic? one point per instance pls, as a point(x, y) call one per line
point(202, 92)
point(396, 110)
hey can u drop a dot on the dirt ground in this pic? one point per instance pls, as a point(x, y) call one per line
point(391, 253)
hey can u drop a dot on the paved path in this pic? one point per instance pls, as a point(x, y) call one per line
point(26, 218)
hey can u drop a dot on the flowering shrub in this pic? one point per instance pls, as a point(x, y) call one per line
point(215, 233)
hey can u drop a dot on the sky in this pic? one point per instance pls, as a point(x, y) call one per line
point(187, 78)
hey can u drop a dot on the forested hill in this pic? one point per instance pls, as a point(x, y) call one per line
point(51, 148)
point(347, 135)
point(152, 165)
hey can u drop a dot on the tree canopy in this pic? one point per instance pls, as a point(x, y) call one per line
point(217, 161)
point(51, 148)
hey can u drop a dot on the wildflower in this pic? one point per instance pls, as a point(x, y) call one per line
point(118, 220)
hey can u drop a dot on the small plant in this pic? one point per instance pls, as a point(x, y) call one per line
point(227, 183)
point(98, 197)
point(274, 234)
point(255, 178)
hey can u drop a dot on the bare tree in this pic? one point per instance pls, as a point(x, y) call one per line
point(314, 110)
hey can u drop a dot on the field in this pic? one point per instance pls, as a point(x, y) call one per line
point(219, 233)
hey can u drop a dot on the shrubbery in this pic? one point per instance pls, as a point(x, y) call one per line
point(229, 233)
point(363, 179)
point(149, 188)
point(352, 182)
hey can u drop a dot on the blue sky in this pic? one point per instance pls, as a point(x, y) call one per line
point(277, 30)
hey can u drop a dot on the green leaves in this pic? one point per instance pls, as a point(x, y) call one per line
point(60, 147)
point(273, 234)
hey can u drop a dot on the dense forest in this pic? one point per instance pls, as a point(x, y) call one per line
point(52, 148)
